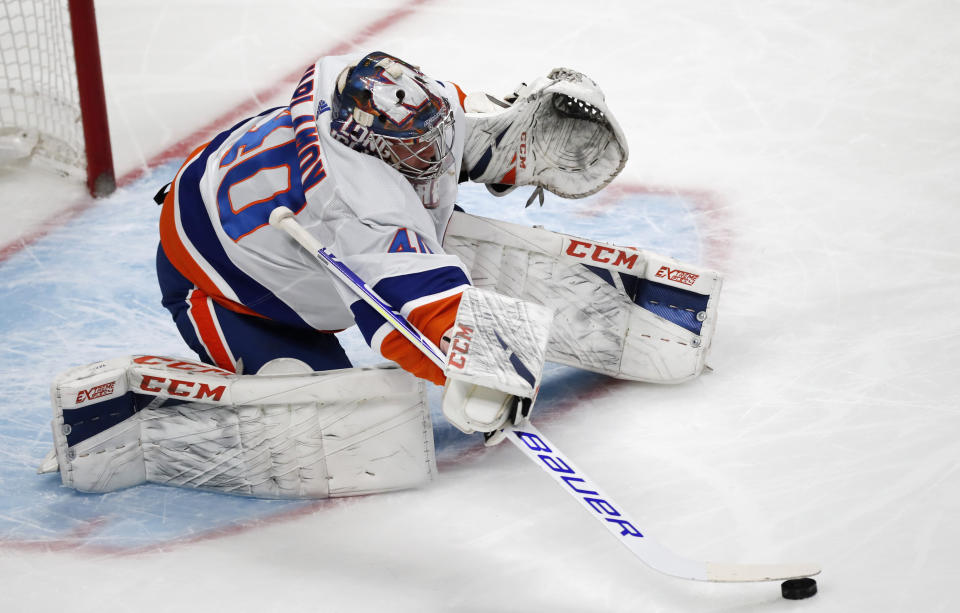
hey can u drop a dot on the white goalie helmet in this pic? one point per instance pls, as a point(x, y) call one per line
point(386, 107)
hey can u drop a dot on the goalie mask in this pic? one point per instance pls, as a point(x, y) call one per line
point(388, 108)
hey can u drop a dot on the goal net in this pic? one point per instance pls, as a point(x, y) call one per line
point(52, 105)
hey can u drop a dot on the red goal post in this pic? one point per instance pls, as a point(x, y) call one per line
point(52, 101)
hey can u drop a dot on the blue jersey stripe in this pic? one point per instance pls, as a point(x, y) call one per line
point(200, 232)
point(368, 320)
point(401, 289)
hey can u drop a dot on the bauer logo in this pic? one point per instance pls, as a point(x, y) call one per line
point(608, 256)
point(577, 484)
point(676, 275)
point(98, 391)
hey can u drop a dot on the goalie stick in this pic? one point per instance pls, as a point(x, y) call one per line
point(282, 217)
point(545, 454)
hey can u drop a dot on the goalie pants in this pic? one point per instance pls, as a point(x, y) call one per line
point(223, 337)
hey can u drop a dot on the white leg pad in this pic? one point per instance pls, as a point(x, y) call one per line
point(142, 419)
point(625, 312)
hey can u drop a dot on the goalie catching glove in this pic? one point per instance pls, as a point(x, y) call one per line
point(556, 133)
point(495, 362)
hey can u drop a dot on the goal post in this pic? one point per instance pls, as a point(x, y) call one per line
point(52, 101)
point(93, 101)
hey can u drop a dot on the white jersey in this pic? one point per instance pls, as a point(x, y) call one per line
point(215, 230)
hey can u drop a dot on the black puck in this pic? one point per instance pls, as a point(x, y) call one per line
point(798, 589)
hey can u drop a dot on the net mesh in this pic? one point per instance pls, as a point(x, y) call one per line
point(38, 82)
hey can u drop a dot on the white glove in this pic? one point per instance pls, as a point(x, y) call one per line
point(556, 133)
point(473, 408)
point(495, 355)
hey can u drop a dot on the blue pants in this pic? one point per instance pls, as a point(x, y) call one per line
point(225, 338)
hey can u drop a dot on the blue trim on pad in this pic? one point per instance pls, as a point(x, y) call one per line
point(678, 306)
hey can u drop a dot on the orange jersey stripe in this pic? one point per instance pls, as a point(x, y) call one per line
point(180, 257)
point(400, 350)
point(435, 318)
point(201, 312)
point(432, 319)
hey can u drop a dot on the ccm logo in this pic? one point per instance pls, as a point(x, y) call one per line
point(98, 391)
point(612, 256)
point(680, 276)
point(460, 346)
point(523, 150)
point(176, 387)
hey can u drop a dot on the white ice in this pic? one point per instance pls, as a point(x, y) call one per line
point(809, 150)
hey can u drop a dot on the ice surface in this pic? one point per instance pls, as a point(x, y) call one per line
point(807, 150)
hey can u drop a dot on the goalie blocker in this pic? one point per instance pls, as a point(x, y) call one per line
point(286, 432)
point(495, 362)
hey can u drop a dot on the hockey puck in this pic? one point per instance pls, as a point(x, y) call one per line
point(798, 589)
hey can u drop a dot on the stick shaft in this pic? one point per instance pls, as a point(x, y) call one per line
point(283, 218)
point(544, 454)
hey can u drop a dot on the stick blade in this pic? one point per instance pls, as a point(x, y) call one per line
point(744, 573)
